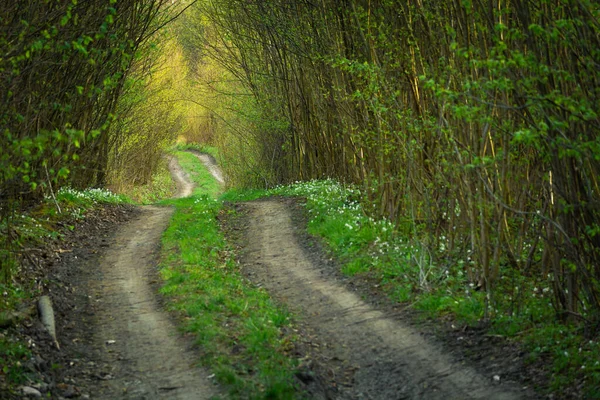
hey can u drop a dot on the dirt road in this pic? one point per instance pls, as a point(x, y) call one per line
point(117, 342)
point(139, 346)
point(370, 354)
point(211, 164)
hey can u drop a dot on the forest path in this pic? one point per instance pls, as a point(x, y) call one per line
point(121, 344)
point(211, 164)
point(367, 353)
point(145, 356)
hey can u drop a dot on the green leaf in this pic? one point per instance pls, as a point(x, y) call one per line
point(63, 173)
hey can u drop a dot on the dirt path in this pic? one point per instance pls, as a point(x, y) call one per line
point(373, 355)
point(147, 358)
point(118, 343)
point(184, 185)
point(211, 164)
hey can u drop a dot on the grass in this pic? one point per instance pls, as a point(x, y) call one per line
point(205, 182)
point(161, 187)
point(202, 148)
point(12, 355)
point(242, 334)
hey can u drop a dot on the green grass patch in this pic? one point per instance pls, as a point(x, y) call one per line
point(570, 357)
point(161, 187)
point(75, 201)
point(236, 195)
point(205, 183)
point(242, 334)
point(13, 351)
point(12, 355)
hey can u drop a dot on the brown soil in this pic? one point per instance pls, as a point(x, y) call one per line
point(353, 349)
point(148, 358)
point(116, 340)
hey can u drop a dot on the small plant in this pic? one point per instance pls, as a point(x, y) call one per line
point(89, 197)
point(12, 355)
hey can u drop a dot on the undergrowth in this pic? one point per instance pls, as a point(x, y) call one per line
point(159, 188)
point(241, 333)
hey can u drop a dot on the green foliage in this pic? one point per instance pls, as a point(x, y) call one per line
point(63, 68)
point(150, 116)
point(251, 135)
point(572, 356)
point(12, 355)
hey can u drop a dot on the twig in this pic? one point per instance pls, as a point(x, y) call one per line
point(52, 191)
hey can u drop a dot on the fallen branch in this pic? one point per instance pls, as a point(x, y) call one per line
point(47, 317)
point(52, 191)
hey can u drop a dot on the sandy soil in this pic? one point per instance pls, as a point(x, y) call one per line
point(365, 352)
point(182, 181)
point(150, 360)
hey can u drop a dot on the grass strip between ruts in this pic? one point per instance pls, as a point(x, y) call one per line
point(240, 331)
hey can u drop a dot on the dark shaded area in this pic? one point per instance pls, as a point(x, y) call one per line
point(62, 271)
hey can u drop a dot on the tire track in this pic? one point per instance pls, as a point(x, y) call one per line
point(384, 358)
point(148, 358)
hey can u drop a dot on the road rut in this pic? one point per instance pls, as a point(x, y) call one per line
point(384, 358)
point(149, 358)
